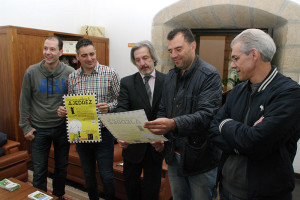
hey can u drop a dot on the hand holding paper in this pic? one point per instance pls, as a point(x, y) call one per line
point(129, 127)
point(61, 111)
point(103, 107)
point(158, 146)
point(123, 144)
point(160, 126)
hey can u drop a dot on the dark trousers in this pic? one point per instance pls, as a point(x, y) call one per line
point(149, 187)
point(40, 147)
point(226, 195)
point(102, 153)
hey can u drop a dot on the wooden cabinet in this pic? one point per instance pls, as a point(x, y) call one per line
point(20, 48)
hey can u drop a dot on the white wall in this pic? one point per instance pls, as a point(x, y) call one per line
point(125, 21)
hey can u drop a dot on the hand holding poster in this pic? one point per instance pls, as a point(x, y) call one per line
point(82, 120)
point(129, 127)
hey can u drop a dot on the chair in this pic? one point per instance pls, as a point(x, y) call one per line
point(225, 95)
point(13, 163)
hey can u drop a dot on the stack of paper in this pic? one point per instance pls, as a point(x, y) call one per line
point(37, 195)
point(9, 185)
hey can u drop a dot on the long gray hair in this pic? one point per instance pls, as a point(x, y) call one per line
point(144, 43)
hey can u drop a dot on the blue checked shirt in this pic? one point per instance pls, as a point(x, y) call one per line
point(104, 81)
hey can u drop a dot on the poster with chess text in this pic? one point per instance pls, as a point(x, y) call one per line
point(82, 121)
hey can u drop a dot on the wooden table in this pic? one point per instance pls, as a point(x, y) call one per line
point(21, 193)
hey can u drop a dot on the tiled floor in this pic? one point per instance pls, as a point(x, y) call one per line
point(296, 192)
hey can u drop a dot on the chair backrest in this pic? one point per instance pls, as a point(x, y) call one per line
point(11, 147)
point(117, 153)
point(224, 96)
point(3, 139)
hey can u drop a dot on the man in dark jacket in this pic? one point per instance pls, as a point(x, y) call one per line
point(258, 127)
point(191, 97)
point(133, 96)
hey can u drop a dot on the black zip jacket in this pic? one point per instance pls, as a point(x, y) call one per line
point(192, 100)
point(271, 145)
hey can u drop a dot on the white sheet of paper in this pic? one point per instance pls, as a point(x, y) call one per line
point(129, 127)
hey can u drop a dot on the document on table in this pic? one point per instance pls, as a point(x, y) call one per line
point(129, 127)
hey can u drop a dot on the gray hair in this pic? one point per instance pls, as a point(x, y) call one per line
point(258, 39)
point(144, 43)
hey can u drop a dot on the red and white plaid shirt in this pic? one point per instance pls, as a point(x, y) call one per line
point(103, 81)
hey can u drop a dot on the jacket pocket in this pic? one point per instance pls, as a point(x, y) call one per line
point(196, 158)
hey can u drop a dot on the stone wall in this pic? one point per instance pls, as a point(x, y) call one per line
point(281, 15)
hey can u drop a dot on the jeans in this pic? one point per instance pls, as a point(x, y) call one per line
point(200, 186)
point(103, 153)
point(40, 147)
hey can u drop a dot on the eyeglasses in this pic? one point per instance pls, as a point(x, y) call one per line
point(234, 59)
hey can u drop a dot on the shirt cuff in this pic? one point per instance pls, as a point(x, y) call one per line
point(222, 124)
point(110, 108)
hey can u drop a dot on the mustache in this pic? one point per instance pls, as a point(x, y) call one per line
point(144, 67)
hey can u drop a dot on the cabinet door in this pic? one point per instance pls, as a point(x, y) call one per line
point(28, 50)
point(7, 107)
point(102, 49)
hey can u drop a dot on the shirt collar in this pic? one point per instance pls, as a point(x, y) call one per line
point(152, 74)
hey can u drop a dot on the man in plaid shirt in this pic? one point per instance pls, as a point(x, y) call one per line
point(92, 77)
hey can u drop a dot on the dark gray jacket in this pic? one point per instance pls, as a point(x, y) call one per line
point(133, 96)
point(192, 100)
point(271, 145)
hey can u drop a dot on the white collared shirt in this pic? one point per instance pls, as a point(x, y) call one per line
point(151, 81)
